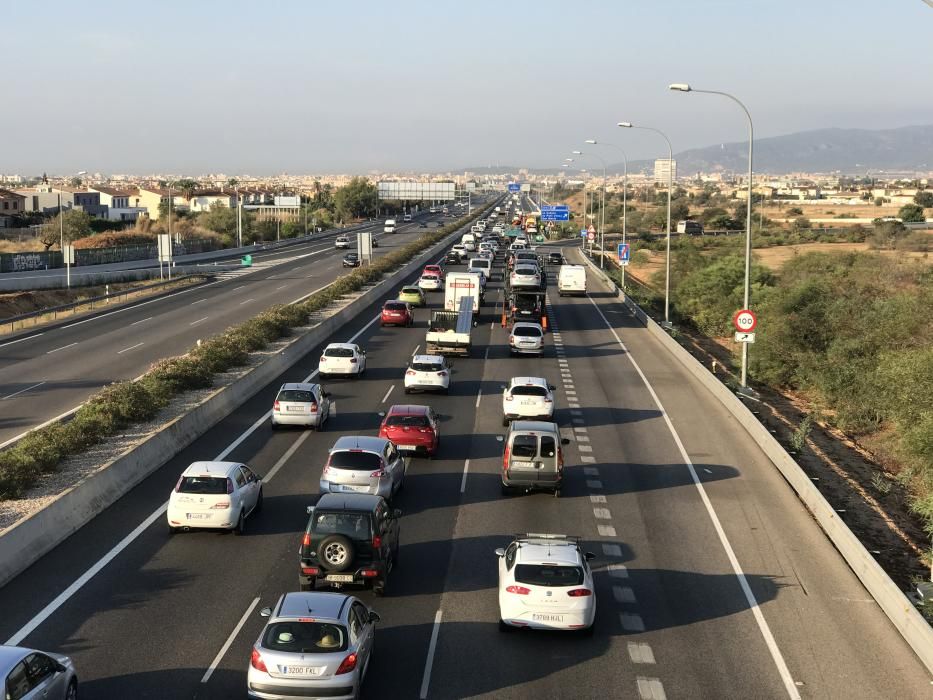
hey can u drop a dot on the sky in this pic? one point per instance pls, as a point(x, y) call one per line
point(360, 86)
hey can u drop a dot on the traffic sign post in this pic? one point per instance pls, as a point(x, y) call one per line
point(741, 337)
point(624, 253)
point(514, 187)
point(744, 321)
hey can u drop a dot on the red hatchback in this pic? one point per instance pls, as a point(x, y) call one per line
point(412, 429)
point(433, 270)
point(397, 313)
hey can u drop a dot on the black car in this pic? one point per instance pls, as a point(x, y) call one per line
point(555, 258)
point(351, 260)
point(350, 539)
point(422, 224)
point(453, 258)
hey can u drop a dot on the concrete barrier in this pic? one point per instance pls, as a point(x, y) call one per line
point(32, 537)
point(896, 605)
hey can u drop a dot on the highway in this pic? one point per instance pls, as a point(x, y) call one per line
point(712, 580)
point(48, 372)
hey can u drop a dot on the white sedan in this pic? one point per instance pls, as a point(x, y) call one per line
point(342, 359)
point(214, 495)
point(427, 373)
point(431, 283)
point(545, 582)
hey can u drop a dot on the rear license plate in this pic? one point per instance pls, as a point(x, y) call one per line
point(198, 516)
point(523, 465)
point(302, 670)
point(294, 409)
point(542, 617)
point(339, 578)
point(407, 448)
point(348, 487)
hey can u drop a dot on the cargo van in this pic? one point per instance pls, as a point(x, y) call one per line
point(533, 458)
point(571, 280)
point(483, 265)
point(691, 228)
point(389, 226)
point(469, 242)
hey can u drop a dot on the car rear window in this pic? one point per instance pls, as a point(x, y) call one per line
point(525, 446)
point(547, 575)
point(355, 460)
point(526, 331)
point(410, 421)
point(411, 290)
point(426, 367)
point(353, 525)
point(395, 306)
point(296, 395)
point(525, 271)
point(338, 352)
point(533, 390)
point(305, 637)
point(211, 485)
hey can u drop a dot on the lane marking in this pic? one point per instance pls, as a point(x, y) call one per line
point(63, 347)
point(223, 650)
point(623, 594)
point(143, 303)
point(479, 395)
point(132, 347)
point(246, 301)
point(640, 653)
point(429, 664)
point(466, 469)
point(632, 622)
point(136, 323)
point(387, 394)
point(21, 340)
point(602, 514)
point(194, 323)
point(612, 550)
point(236, 288)
point(278, 288)
point(597, 499)
point(606, 530)
point(285, 457)
point(199, 301)
point(789, 685)
point(585, 448)
point(573, 404)
point(486, 356)
point(650, 688)
point(415, 351)
point(333, 404)
point(617, 570)
point(590, 471)
point(21, 391)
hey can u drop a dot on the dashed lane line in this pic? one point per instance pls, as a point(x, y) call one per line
point(223, 650)
point(429, 663)
point(623, 594)
point(640, 653)
point(606, 530)
point(131, 347)
point(466, 470)
point(387, 394)
point(22, 391)
point(63, 347)
point(650, 688)
point(632, 622)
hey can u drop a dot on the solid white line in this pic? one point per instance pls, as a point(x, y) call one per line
point(136, 306)
point(466, 470)
point(486, 356)
point(305, 296)
point(199, 301)
point(282, 287)
point(194, 323)
point(70, 345)
point(285, 457)
point(223, 650)
point(136, 323)
point(479, 395)
point(21, 340)
point(246, 301)
point(236, 288)
point(387, 394)
point(21, 391)
point(426, 679)
point(789, 686)
point(415, 351)
point(132, 347)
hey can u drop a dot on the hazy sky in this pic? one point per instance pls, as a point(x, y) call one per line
point(315, 86)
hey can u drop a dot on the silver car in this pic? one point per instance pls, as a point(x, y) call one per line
point(362, 464)
point(314, 645)
point(303, 404)
point(30, 675)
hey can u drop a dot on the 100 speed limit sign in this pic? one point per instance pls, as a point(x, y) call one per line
point(744, 321)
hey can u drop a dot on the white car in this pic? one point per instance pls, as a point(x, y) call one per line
point(427, 373)
point(342, 359)
point(521, 240)
point(431, 283)
point(545, 582)
point(460, 250)
point(301, 404)
point(525, 276)
point(526, 338)
point(342, 242)
point(527, 398)
point(216, 495)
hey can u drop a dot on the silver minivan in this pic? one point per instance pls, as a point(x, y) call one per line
point(363, 464)
point(533, 458)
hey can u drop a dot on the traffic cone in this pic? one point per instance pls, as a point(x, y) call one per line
point(544, 322)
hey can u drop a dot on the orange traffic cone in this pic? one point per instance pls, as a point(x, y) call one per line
point(544, 322)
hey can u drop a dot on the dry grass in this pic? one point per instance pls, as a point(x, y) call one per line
point(27, 245)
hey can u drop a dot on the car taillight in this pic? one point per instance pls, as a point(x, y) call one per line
point(580, 593)
point(255, 660)
point(377, 541)
point(314, 408)
point(369, 573)
point(306, 540)
point(511, 340)
point(347, 665)
point(518, 590)
point(508, 397)
point(309, 570)
point(229, 485)
point(352, 360)
point(505, 458)
point(442, 374)
point(323, 359)
point(326, 470)
point(275, 406)
point(379, 473)
point(221, 505)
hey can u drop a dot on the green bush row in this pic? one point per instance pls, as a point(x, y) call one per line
point(123, 403)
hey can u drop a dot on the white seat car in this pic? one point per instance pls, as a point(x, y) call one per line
point(303, 404)
point(527, 398)
point(526, 338)
point(342, 360)
point(525, 275)
point(363, 464)
point(216, 495)
point(545, 582)
point(427, 373)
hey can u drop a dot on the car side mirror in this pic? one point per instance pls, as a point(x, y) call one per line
point(60, 667)
point(326, 394)
point(382, 414)
point(257, 477)
point(551, 387)
point(499, 438)
point(589, 556)
point(309, 510)
point(265, 612)
point(565, 441)
point(500, 552)
point(374, 617)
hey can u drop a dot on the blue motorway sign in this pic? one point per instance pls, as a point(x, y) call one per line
point(624, 251)
point(555, 207)
point(548, 215)
point(514, 187)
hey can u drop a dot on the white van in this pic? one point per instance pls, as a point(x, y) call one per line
point(571, 280)
point(406, 218)
point(389, 226)
point(483, 265)
point(469, 242)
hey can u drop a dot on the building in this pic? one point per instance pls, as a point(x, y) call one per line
point(664, 168)
point(122, 205)
point(11, 203)
point(84, 199)
point(203, 201)
point(149, 198)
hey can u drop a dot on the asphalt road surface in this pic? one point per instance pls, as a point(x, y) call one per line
point(711, 578)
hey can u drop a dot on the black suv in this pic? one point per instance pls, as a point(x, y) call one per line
point(555, 258)
point(349, 539)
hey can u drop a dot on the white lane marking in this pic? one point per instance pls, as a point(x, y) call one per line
point(21, 340)
point(236, 288)
point(332, 410)
point(63, 347)
point(594, 484)
point(576, 413)
point(285, 457)
point(223, 650)
point(590, 471)
point(597, 499)
point(602, 514)
point(583, 438)
point(21, 391)
point(577, 421)
point(387, 394)
point(789, 686)
point(479, 395)
point(466, 470)
point(132, 347)
point(246, 301)
point(573, 404)
point(617, 570)
point(194, 323)
point(415, 351)
point(429, 663)
point(623, 594)
point(632, 622)
point(650, 688)
point(486, 356)
point(136, 306)
point(278, 288)
point(586, 459)
point(199, 301)
point(640, 653)
point(585, 448)
point(606, 530)
point(580, 430)
point(142, 320)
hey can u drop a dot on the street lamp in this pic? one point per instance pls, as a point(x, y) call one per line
point(602, 209)
point(684, 87)
point(670, 187)
point(624, 193)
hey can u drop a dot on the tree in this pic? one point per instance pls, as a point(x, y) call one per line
point(924, 198)
point(911, 213)
point(879, 201)
point(76, 224)
point(359, 198)
point(75, 182)
point(795, 211)
point(186, 186)
point(220, 219)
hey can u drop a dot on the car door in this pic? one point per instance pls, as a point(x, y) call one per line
point(241, 490)
point(395, 465)
point(365, 630)
point(548, 458)
point(253, 485)
point(44, 680)
point(323, 402)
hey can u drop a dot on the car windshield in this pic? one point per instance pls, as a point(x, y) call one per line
point(426, 367)
point(338, 352)
point(296, 395)
point(526, 331)
point(395, 306)
point(548, 575)
point(353, 525)
point(410, 421)
point(532, 390)
point(305, 637)
point(355, 460)
point(524, 446)
point(212, 485)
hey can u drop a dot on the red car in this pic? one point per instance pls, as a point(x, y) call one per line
point(412, 429)
point(433, 270)
point(397, 313)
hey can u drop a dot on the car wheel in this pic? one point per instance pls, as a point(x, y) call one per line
point(240, 528)
point(379, 587)
point(258, 507)
point(72, 693)
point(407, 390)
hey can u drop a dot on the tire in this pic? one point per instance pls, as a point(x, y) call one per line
point(258, 507)
point(336, 553)
point(379, 587)
point(447, 391)
point(72, 692)
point(240, 528)
point(407, 390)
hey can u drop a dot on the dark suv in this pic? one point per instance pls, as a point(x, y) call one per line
point(349, 539)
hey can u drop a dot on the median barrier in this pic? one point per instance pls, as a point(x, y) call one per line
point(30, 538)
point(896, 605)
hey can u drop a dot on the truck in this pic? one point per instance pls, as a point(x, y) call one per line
point(462, 284)
point(531, 222)
point(449, 331)
point(525, 305)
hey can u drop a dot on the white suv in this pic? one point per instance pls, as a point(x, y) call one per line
point(545, 582)
point(427, 373)
point(342, 359)
point(219, 495)
point(527, 398)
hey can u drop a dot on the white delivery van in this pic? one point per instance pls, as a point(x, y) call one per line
point(461, 284)
point(469, 242)
point(483, 265)
point(389, 226)
point(571, 280)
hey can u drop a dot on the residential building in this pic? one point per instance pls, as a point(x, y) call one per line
point(118, 203)
point(11, 203)
point(204, 200)
point(84, 199)
point(664, 168)
point(149, 198)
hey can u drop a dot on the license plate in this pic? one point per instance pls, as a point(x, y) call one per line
point(542, 617)
point(294, 409)
point(406, 448)
point(339, 578)
point(302, 670)
point(198, 516)
point(523, 465)
point(355, 488)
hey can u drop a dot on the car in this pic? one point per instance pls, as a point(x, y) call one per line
point(363, 464)
point(452, 258)
point(430, 283)
point(412, 429)
point(427, 373)
point(555, 258)
point(460, 250)
point(545, 582)
point(397, 313)
point(521, 240)
point(31, 674)
point(342, 359)
point(412, 294)
point(342, 242)
point(300, 403)
point(433, 270)
point(351, 260)
point(526, 338)
point(433, 210)
point(350, 538)
point(422, 224)
point(527, 398)
point(214, 495)
point(525, 275)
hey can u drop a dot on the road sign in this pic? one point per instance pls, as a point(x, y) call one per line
point(591, 236)
point(554, 207)
point(165, 247)
point(624, 252)
point(744, 321)
point(549, 215)
point(582, 233)
point(591, 229)
point(514, 187)
point(742, 337)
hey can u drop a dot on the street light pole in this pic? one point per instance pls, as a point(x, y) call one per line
point(684, 87)
point(670, 187)
point(602, 210)
point(61, 245)
point(624, 194)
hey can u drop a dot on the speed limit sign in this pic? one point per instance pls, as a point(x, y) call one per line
point(744, 321)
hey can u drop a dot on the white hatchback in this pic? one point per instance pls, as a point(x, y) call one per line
point(216, 495)
point(545, 582)
point(526, 338)
point(342, 359)
point(527, 398)
point(427, 373)
point(431, 283)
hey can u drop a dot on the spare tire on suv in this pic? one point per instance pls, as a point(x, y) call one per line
point(335, 553)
